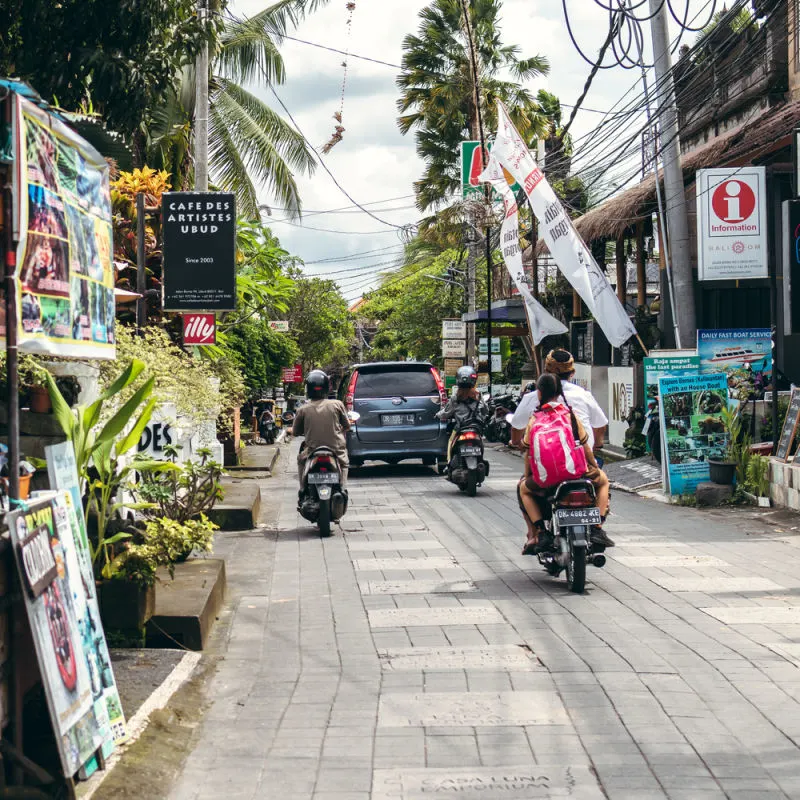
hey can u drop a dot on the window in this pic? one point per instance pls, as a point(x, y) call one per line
point(395, 382)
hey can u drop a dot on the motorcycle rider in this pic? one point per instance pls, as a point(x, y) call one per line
point(561, 363)
point(323, 422)
point(550, 392)
point(465, 406)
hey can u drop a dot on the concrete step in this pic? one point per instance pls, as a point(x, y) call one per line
point(187, 606)
point(238, 511)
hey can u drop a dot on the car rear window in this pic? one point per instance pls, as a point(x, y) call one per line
point(392, 383)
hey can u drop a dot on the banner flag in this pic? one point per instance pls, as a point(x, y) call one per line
point(570, 252)
point(542, 323)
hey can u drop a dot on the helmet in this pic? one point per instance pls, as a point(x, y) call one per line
point(317, 385)
point(466, 377)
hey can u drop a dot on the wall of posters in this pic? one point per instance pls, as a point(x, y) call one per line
point(41, 548)
point(692, 428)
point(743, 354)
point(64, 257)
point(63, 474)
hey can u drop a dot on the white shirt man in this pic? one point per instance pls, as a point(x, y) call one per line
point(560, 362)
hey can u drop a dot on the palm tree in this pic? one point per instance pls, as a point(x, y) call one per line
point(249, 143)
point(438, 92)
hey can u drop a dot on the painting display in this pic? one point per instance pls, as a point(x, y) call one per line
point(66, 275)
point(743, 354)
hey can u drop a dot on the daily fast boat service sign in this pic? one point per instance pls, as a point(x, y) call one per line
point(743, 354)
point(731, 223)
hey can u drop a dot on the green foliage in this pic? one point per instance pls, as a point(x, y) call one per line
point(162, 543)
point(319, 321)
point(438, 92)
point(121, 60)
point(757, 482)
point(739, 442)
point(181, 493)
point(261, 353)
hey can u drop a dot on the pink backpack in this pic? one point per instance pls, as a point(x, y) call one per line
point(554, 455)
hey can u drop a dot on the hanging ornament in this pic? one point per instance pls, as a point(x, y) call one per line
point(338, 130)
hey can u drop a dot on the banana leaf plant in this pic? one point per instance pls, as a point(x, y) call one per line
point(99, 447)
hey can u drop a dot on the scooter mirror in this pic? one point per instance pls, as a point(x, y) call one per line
point(509, 418)
point(353, 416)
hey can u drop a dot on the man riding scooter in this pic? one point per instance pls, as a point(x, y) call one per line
point(465, 406)
point(586, 409)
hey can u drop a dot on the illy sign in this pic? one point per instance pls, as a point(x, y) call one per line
point(199, 329)
point(731, 223)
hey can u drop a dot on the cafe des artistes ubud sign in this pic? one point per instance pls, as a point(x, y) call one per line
point(199, 251)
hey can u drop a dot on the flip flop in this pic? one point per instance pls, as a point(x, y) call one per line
point(530, 548)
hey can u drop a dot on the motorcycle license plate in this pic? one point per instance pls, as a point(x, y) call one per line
point(470, 451)
point(397, 419)
point(578, 516)
point(323, 477)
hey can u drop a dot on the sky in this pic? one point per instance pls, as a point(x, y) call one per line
point(374, 163)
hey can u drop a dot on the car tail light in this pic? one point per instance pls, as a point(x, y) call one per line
point(439, 384)
point(578, 499)
point(351, 390)
point(469, 435)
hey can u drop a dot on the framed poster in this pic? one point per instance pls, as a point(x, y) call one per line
point(65, 251)
point(743, 354)
point(199, 231)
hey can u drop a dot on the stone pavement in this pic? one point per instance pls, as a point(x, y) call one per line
point(417, 654)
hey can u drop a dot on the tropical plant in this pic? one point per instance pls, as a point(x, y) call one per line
point(758, 476)
point(180, 494)
point(260, 352)
point(438, 89)
point(739, 441)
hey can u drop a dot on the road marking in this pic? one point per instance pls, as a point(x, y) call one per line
point(716, 585)
point(502, 656)
point(525, 782)
point(416, 587)
point(434, 562)
point(755, 615)
point(389, 545)
point(670, 561)
point(433, 617)
point(470, 709)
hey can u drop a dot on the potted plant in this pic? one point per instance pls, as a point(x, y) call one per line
point(757, 483)
point(737, 453)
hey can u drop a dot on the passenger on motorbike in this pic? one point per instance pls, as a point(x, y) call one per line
point(550, 392)
point(323, 423)
point(466, 406)
point(561, 363)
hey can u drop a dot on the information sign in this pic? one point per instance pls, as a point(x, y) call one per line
point(789, 429)
point(454, 348)
point(280, 325)
point(454, 329)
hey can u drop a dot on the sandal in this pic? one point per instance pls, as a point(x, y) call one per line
point(529, 549)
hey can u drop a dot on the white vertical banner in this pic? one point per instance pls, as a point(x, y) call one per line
point(570, 252)
point(542, 323)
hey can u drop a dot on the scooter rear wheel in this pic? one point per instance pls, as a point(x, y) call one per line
point(576, 570)
point(472, 483)
point(324, 519)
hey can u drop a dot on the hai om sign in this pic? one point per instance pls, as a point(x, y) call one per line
point(199, 329)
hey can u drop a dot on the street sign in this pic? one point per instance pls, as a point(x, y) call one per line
point(482, 346)
point(497, 363)
point(199, 230)
point(280, 325)
point(731, 223)
point(454, 348)
point(293, 374)
point(199, 328)
point(472, 166)
point(451, 366)
point(454, 329)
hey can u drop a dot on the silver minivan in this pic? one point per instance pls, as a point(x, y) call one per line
point(397, 402)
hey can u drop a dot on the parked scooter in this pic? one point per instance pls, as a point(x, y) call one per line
point(498, 429)
point(467, 467)
point(323, 500)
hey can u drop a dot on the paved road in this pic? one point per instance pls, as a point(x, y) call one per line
point(417, 654)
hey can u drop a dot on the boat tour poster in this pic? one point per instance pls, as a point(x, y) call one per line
point(743, 354)
point(692, 428)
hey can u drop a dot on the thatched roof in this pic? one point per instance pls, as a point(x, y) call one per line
point(615, 216)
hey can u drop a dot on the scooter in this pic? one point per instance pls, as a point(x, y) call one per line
point(497, 428)
point(467, 467)
point(322, 499)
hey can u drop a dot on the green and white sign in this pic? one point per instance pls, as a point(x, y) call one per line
point(482, 346)
point(471, 168)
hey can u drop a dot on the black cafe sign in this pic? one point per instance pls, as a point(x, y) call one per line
point(199, 230)
point(38, 562)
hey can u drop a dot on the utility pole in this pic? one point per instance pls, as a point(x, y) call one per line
point(675, 199)
point(471, 257)
point(201, 108)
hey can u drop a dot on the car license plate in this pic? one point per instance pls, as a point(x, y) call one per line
point(578, 516)
point(323, 477)
point(397, 419)
point(470, 451)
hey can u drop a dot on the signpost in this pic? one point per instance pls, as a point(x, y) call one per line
point(454, 329)
point(280, 325)
point(293, 374)
point(454, 348)
point(199, 251)
point(451, 366)
point(482, 346)
point(731, 223)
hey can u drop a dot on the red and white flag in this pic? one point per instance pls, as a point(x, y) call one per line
point(542, 323)
point(570, 252)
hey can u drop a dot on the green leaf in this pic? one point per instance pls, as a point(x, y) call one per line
point(117, 537)
point(117, 423)
point(125, 379)
point(135, 433)
point(61, 410)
